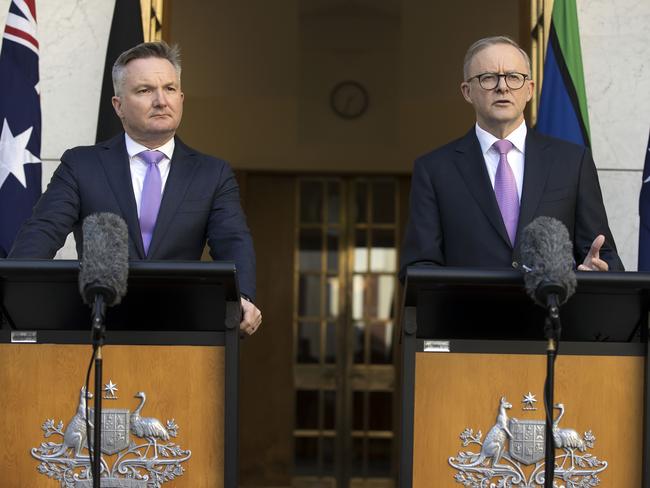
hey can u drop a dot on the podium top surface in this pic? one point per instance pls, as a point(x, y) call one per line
point(470, 303)
point(161, 295)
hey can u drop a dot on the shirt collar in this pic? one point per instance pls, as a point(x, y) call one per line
point(517, 137)
point(133, 148)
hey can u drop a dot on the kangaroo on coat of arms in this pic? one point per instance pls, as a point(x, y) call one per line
point(495, 440)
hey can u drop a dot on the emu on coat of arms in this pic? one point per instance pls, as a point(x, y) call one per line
point(512, 444)
point(144, 456)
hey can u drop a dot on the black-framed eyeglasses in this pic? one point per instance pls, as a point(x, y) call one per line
point(489, 81)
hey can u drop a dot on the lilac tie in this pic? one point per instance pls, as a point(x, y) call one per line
point(151, 196)
point(505, 189)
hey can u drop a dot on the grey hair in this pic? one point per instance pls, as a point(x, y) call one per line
point(145, 50)
point(486, 42)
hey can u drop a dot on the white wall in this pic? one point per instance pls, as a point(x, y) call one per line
point(616, 56)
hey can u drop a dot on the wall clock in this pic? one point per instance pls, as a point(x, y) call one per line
point(349, 99)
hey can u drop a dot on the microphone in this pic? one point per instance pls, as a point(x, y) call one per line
point(547, 256)
point(105, 260)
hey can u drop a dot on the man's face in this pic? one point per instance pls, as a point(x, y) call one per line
point(501, 110)
point(150, 102)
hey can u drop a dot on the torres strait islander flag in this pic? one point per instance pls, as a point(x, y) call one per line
point(563, 102)
point(20, 121)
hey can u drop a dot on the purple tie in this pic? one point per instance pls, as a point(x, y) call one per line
point(151, 196)
point(505, 189)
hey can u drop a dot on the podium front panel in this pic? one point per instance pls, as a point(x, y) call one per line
point(183, 390)
point(459, 397)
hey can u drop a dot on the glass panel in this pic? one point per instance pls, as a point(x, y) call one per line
point(310, 249)
point(360, 256)
point(358, 295)
point(379, 457)
point(332, 250)
point(311, 201)
point(328, 455)
point(329, 399)
point(358, 343)
point(383, 255)
point(309, 295)
point(306, 409)
point(383, 201)
point(381, 343)
point(357, 410)
point(361, 200)
point(333, 202)
point(380, 410)
point(332, 296)
point(306, 455)
point(330, 343)
point(380, 290)
point(308, 347)
point(357, 456)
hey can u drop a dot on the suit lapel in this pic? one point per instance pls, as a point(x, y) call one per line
point(115, 162)
point(536, 168)
point(182, 168)
point(471, 165)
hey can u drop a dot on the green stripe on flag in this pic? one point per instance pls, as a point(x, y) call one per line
point(565, 21)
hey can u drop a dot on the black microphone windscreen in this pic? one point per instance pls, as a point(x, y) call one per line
point(547, 252)
point(105, 260)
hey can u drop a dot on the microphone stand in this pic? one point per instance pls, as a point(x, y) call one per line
point(98, 330)
point(552, 332)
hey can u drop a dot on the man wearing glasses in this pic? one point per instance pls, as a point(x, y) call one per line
point(471, 199)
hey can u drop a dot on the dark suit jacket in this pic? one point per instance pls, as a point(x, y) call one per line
point(455, 219)
point(200, 202)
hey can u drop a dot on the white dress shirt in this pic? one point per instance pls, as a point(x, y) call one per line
point(139, 167)
point(515, 156)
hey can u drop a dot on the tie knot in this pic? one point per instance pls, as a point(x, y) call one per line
point(151, 157)
point(503, 146)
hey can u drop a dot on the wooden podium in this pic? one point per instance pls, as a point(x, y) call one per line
point(170, 400)
point(473, 372)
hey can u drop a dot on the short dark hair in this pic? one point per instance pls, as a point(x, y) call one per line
point(486, 42)
point(141, 51)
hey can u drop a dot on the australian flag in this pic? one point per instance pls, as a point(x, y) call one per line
point(644, 215)
point(20, 121)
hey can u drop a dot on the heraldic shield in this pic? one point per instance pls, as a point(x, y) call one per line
point(527, 442)
point(115, 430)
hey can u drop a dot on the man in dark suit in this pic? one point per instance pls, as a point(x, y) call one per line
point(471, 199)
point(172, 197)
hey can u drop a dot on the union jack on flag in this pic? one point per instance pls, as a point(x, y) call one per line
point(20, 121)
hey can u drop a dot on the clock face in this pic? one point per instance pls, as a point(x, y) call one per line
point(349, 99)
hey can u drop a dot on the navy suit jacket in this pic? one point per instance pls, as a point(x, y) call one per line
point(200, 202)
point(455, 219)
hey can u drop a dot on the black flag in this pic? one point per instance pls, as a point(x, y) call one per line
point(126, 32)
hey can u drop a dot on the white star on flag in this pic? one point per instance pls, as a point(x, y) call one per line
point(14, 154)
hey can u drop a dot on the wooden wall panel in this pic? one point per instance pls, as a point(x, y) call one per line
point(185, 383)
point(603, 394)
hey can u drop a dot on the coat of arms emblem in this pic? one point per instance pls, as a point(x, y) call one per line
point(494, 465)
point(144, 457)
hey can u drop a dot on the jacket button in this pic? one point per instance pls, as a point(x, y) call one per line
point(515, 264)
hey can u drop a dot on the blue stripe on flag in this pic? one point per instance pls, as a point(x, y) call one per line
point(557, 116)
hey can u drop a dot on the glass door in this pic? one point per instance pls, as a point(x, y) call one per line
point(344, 331)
